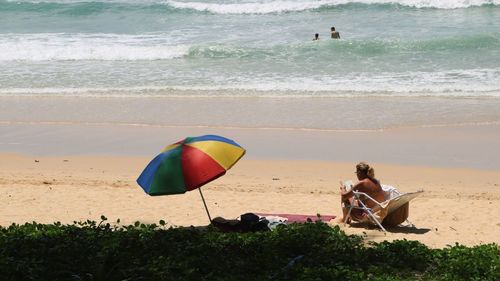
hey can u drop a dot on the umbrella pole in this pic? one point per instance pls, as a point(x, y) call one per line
point(205, 204)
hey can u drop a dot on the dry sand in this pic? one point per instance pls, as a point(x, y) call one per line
point(458, 205)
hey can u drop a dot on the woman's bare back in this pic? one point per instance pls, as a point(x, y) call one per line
point(372, 188)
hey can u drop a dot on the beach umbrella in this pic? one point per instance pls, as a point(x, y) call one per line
point(189, 164)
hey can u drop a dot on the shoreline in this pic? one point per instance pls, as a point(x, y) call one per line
point(73, 188)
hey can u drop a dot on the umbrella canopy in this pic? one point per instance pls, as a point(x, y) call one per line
point(189, 164)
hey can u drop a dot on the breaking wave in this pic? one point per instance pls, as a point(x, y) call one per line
point(79, 8)
point(109, 47)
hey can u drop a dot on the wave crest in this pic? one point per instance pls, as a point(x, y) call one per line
point(46, 47)
point(252, 7)
point(281, 6)
point(79, 7)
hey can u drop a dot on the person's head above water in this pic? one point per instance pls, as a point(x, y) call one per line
point(363, 171)
point(316, 36)
point(335, 34)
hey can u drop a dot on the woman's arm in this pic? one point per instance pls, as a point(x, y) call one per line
point(359, 186)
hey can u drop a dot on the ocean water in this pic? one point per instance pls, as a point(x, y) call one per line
point(424, 49)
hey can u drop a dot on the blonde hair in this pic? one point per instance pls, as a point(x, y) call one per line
point(366, 169)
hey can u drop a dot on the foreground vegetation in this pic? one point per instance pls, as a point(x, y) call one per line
point(313, 251)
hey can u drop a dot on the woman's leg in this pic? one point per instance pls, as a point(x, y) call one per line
point(344, 203)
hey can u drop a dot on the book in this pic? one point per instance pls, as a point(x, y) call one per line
point(347, 185)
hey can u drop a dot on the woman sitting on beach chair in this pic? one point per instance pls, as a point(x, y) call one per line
point(368, 185)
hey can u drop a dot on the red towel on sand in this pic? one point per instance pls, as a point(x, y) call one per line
point(299, 218)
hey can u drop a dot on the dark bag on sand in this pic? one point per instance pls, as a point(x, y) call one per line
point(250, 222)
point(249, 218)
point(226, 225)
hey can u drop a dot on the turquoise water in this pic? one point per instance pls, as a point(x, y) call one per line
point(250, 48)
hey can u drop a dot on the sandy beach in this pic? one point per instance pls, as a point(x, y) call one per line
point(458, 204)
point(59, 167)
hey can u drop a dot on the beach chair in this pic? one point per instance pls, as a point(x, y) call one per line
point(393, 211)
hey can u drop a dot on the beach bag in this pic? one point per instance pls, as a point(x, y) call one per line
point(226, 225)
point(249, 218)
point(251, 222)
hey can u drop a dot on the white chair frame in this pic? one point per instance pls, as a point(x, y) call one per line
point(369, 211)
point(358, 195)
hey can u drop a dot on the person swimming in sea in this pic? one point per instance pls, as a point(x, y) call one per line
point(316, 37)
point(335, 34)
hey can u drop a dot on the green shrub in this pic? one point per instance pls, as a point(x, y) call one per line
point(464, 263)
point(312, 251)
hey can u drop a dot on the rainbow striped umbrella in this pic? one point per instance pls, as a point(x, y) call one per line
point(189, 164)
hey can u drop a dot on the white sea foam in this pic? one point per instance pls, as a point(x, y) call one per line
point(280, 6)
point(43, 47)
point(473, 83)
point(439, 4)
point(276, 6)
point(252, 7)
point(453, 83)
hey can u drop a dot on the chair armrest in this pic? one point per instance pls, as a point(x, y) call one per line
point(358, 195)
